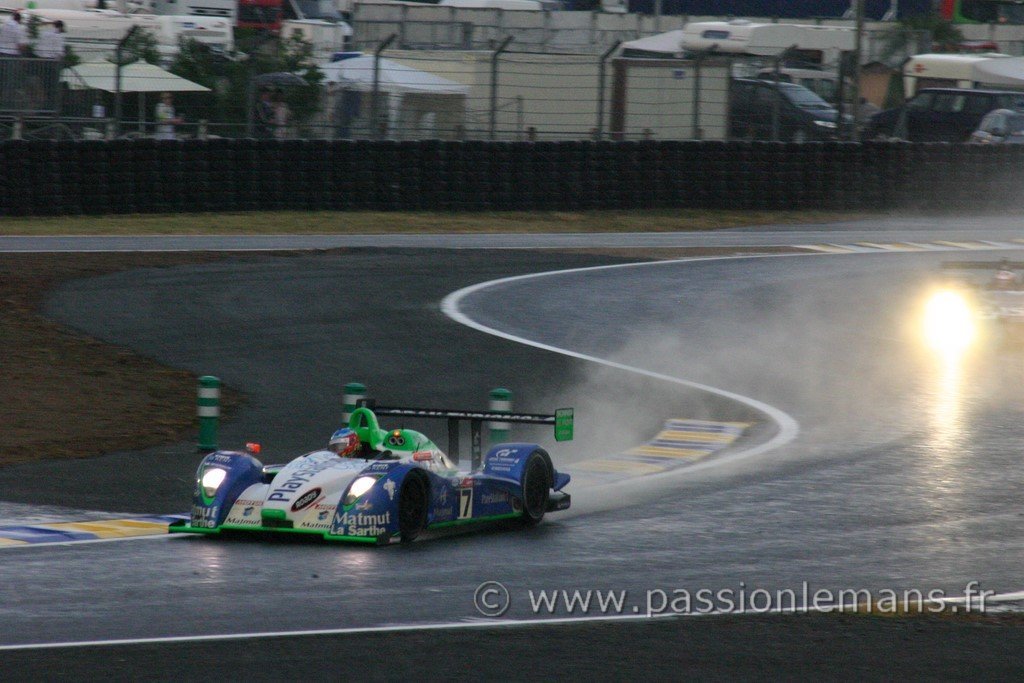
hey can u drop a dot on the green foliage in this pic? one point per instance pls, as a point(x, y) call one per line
point(231, 79)
point(914, 34)
point(139, 45)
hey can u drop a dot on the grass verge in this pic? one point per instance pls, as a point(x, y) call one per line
point(335, 222)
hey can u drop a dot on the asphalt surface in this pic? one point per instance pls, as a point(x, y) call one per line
point(901, 478)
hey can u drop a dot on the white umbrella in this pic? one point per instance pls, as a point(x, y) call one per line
point(356, 73)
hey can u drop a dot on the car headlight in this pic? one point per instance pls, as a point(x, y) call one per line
point(825, 124)
point(358, 488)
point(212, 478)
point(949, 322)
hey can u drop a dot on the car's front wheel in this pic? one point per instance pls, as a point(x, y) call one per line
point(536, 488)
point(412, 507)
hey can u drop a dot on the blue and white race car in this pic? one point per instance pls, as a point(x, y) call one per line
point(374, 485)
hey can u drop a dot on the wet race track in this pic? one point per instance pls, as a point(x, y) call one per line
point(873, 464)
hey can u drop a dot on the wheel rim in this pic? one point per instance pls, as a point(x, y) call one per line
point(536, 489)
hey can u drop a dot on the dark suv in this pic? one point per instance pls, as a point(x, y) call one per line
point(802, 115)
point(940, 114)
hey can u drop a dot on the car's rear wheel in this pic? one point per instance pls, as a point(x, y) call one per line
point(536, 488)
point(413, 500)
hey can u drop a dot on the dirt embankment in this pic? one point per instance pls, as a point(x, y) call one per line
point(66, 395)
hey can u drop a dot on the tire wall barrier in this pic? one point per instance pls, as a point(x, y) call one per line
point(158, 176)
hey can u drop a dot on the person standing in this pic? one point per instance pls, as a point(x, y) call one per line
point(265, 115)
point(281, 116)
point(13, 36)
point(51, 43)
point(165, 118)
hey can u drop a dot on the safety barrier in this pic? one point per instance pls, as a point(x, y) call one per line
point(43, 177)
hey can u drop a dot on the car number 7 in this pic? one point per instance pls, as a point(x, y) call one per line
point(465, 503)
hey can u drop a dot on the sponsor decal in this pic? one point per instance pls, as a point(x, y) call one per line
point(442, 497)
point(222, 458)
point(389, 486)
point(502, 454)
point(493, 498)
point(306, 499)
point(324, 514)
point(364, 505)
point(301, 476)
point(249, 502)
point(204, 517)
point(247, 511)
point(499, 467)
point(378, 467)
point(362, 523)
point(443, 514)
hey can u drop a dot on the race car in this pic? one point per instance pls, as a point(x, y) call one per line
point(987, 295)
point(375, 485)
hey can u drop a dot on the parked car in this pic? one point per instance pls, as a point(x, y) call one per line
point(940, 114)
point(1002, 126)
point(802, 115)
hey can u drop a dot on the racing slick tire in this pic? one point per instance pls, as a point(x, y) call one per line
point(536, 488)
point(413, 501)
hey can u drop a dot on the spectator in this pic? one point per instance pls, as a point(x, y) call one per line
point(264, 115)
point(281, 116)
point(13, 36)
point(866, 109)
point(51, 43)
point(165, 118)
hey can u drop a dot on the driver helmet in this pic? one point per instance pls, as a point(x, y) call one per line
point(344, 442)
point(1004, 279)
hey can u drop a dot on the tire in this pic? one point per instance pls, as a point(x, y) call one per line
point(413, 501)
point(536, 488)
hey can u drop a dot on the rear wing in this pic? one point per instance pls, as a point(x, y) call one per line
point(562, 420)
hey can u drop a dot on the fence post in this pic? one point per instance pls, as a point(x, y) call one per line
point(375, 127)
point(501, 401)
point(354, 391)
point(698, 59)
point(601, 78)
point(208, 410)
point(494, 83)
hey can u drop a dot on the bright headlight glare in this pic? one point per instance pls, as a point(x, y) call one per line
point(211, 481)
point(358, 488)
point(949, 321)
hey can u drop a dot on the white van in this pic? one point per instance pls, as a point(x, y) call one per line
point(942, 71)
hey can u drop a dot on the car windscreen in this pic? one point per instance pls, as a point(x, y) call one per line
point(803, 98)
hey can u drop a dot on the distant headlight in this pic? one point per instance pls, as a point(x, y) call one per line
point(212, 479)
point(358, 488)
point(825, 124)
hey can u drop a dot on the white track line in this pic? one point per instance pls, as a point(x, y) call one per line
point(789, 428)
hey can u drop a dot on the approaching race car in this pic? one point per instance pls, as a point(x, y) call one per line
point(373, 485)
point(966, 306)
